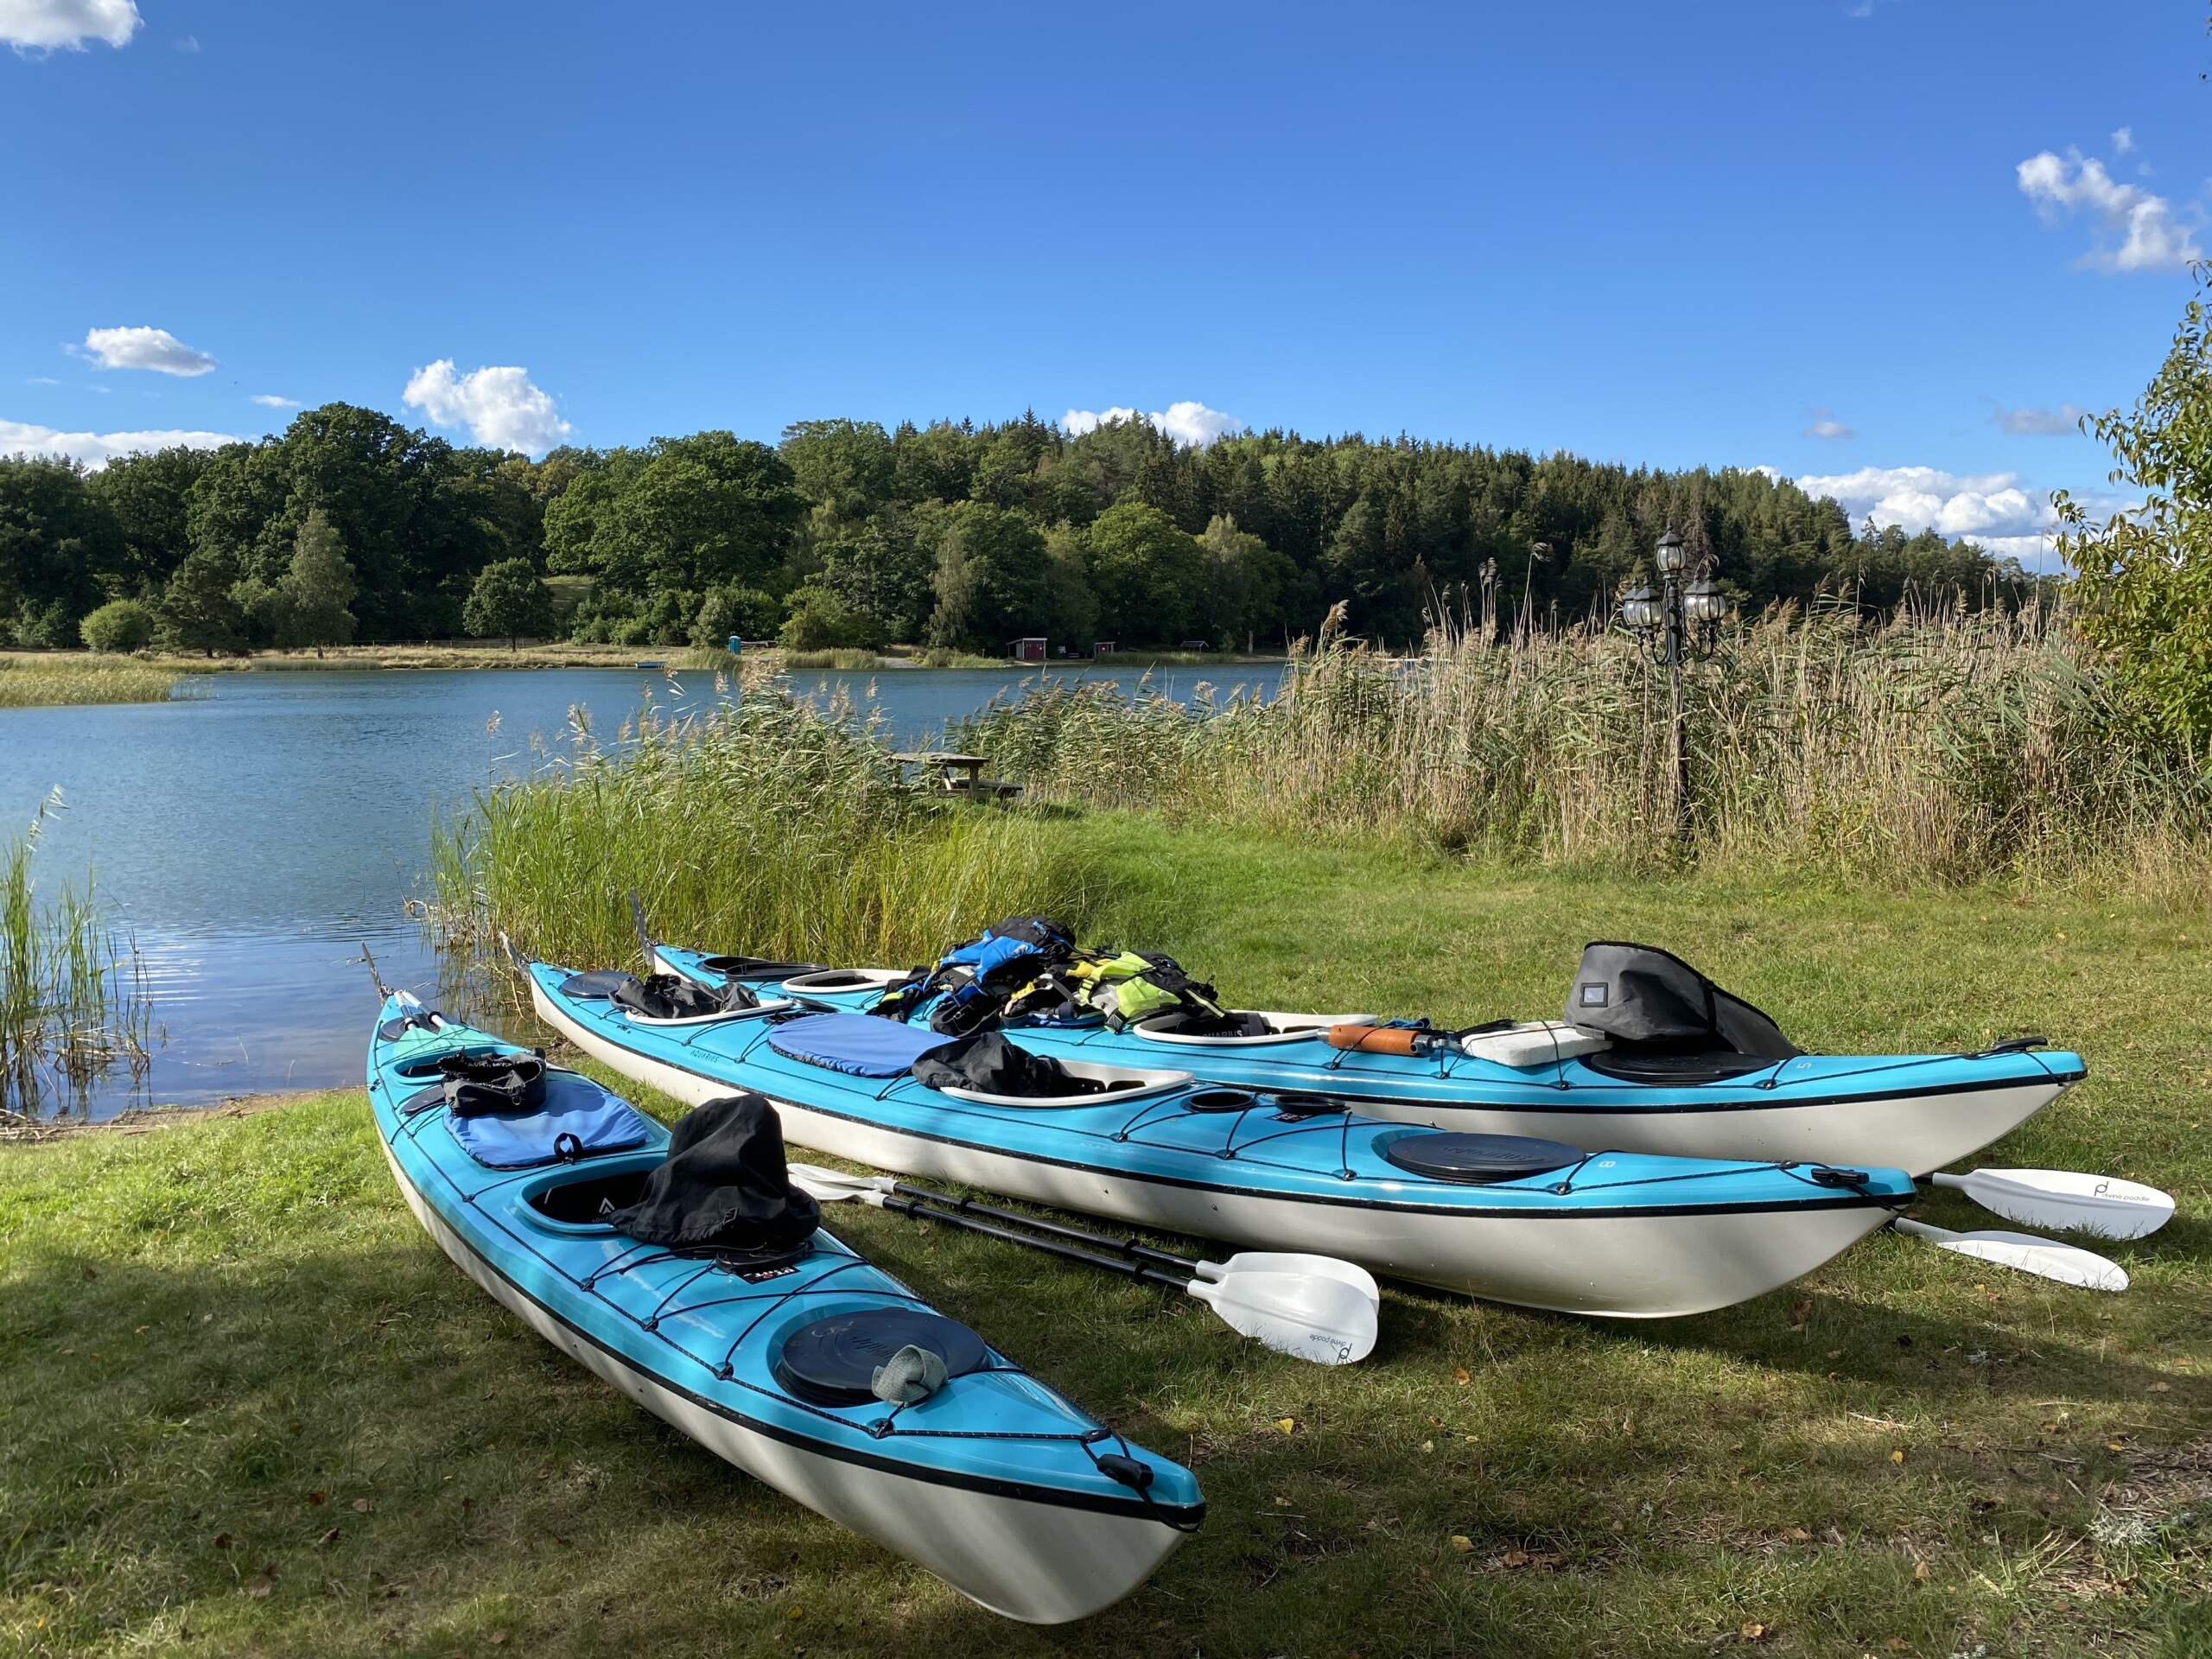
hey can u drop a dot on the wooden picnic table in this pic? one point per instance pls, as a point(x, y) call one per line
point(961, 774)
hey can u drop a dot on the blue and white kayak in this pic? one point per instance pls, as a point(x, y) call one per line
point(1006, 1490)
point(1531, 1223)
point(1921, 1112)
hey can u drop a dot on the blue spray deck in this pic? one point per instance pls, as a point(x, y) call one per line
point(710, 1338)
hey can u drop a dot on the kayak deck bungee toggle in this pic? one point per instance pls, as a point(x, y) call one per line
point(798, 1361)
point(1613, 1233)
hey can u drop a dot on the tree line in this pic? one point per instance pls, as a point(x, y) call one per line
point(349, 525)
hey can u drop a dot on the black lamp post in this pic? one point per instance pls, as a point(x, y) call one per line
point(1679, 619)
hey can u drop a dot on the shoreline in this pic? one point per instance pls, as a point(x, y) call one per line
point(17, 1129)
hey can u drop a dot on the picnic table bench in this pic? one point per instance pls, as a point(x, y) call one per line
point(962, 774)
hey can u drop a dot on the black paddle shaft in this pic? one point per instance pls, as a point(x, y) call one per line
point(1128, 1248)
point(1127, 1269)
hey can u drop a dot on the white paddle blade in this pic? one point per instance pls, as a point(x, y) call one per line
point(829, 1185)
point(1322, 1320)
point(2067, 1198)
point(1325, 1266)
point(2025, 1253)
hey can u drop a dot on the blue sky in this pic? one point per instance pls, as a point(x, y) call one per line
point(1669, 234)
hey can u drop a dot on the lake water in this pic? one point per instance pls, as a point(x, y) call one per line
point(254, 834)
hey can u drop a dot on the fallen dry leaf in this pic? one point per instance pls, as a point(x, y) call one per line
point(1459, 1375)
point(796, 1612)
point(1428, 1446)
point(1516, 1558)
point(1896, 1457)
point(362, 1506)
point(499, 1638)
point(1920, 1573)
point(262, 1583)
point(328, 1539)
point(1752, 1630)
point(1287, 1425)
point(1464, 1544)
point(1898, 1644)
point(2161, 1388)
point(1798, 1535)
point(1800, 1312)
point(316, 1500)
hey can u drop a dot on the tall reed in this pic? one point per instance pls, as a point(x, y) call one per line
point(73, 996)
point(1943, 747)
point(33, 681)
point(766, 828)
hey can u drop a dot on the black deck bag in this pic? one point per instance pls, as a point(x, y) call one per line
point(724, 1186)
point(991, 1065)
point(1667, 1019)
point(478, 1084)
point(671, 996)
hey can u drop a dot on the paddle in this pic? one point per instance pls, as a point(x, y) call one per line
point(2026, 1254)
point(1311, 1308)
point(644, 934)
point(2104, 1204)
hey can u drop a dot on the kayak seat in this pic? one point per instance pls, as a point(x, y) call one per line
point(1661, 1066)
point(591, 1197)
point(757, 966)
point(1191, 1023)
point(833, 1361)
point(1478, 1160)
point(857, 1043)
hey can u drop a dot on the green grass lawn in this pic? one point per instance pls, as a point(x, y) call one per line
point(246, 1407)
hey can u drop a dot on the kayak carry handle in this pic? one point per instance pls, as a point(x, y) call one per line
point(1373, 1039)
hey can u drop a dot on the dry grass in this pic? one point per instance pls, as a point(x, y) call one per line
point(1946, 749)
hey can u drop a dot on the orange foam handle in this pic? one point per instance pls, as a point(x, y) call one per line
point(1372, 1039)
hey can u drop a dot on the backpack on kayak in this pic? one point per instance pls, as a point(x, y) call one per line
point(974, 981)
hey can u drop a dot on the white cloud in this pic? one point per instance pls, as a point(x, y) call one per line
point(270, 400)
point(2060, 422)
point(1825, 425)
point(2123, 141)
point(1190, 423)
point(48, 25)
point(144, 348)
point(2151, 236)
point(97, 448)
point(500, 406)
point(1990, 507)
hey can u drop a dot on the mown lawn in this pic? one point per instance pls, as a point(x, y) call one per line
point(246, 1407)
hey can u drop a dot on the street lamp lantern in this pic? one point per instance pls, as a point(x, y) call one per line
point(1703, 601)
point(1669, 554)
point(1641, 610)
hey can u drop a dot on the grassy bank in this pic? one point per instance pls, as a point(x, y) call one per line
point(1903, 1449)
point(1947, 750)
point(448, 654)
point(40, 680)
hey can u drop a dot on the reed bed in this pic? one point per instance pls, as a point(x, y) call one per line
point(31, 681)
point(766, 828)
point(1944, 748)
point(72, 995)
